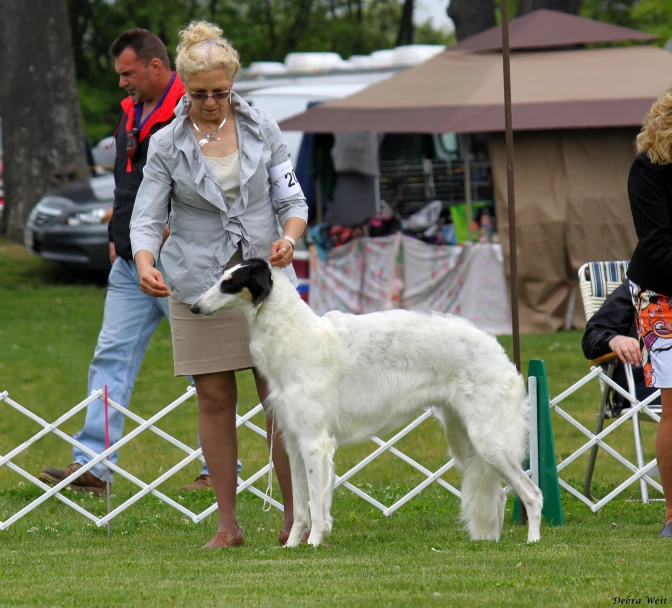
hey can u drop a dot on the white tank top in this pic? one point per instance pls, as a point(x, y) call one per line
point(227, 172)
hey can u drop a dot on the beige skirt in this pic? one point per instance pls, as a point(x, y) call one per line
point(204, 345)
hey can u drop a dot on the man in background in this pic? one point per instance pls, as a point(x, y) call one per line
point(130, 316)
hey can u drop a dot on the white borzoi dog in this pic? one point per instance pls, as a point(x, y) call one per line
point(342, 378)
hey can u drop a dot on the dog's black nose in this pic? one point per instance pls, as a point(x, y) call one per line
point(195, 309)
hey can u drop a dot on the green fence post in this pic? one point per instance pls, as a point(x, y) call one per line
point(548, 468)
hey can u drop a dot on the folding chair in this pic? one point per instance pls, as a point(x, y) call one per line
point(597, 280)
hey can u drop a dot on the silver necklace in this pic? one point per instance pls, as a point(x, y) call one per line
point(208, 137)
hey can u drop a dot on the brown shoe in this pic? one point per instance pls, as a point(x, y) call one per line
point(202, 482)
point(84, 483)
point(224, 540)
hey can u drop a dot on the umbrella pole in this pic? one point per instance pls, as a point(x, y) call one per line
point(511, 195)
point(318, 193)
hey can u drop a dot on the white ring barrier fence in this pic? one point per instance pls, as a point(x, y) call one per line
point(639, 472)
point(191, 455)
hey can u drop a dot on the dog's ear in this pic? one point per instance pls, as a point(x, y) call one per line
point(262, 279)
point(251, 278)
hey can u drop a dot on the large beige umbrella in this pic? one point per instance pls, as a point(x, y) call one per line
point(462, 92)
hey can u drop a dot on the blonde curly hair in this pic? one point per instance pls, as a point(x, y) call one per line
point(203, 47)
point(655, 138)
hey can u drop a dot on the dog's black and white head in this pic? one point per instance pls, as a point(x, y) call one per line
point(243, 285)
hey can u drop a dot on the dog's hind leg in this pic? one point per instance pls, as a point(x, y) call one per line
point(483, 497)
point(490, 449)
point(531, 496)
point(300, 495)
point(318, 456)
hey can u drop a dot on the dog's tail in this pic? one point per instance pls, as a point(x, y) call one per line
point(490, 444)
point(483, 500)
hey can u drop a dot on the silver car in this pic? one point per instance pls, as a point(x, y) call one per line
point(69, 225)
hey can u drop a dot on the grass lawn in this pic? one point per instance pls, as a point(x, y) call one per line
point(420, 556)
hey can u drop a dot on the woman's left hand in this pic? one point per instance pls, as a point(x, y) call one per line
point(282, 253)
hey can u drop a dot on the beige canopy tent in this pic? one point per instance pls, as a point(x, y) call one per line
point(575, 113)
point(462, 92)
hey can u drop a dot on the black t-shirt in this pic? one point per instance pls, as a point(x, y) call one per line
point(650, 194)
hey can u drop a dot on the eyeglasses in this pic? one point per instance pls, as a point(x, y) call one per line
point(219, 96)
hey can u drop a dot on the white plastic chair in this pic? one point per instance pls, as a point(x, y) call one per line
point(597, 280)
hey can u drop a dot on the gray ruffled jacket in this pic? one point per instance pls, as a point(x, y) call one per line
point(180, 188)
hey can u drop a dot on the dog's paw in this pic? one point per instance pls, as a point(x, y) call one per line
point(297, 534)
point(533, 538)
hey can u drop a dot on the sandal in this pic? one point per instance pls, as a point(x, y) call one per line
point(224, 539)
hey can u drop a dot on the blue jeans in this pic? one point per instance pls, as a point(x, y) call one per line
point(129, 320)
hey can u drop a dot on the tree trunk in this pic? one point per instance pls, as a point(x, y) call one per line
point(471, 16)
point(405, 35)
point(564, 6)
point(43, 139)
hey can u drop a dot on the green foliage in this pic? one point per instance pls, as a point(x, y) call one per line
point(651, 16)
point(512, 6)
point(618, 12)
point(426, 34)
point(654, 16)
point(266, 30)
point(261, 30)
point(99, 104)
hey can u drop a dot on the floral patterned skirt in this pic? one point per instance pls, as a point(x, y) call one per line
point(653, 315)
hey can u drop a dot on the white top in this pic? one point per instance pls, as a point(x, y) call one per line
point(227, 172)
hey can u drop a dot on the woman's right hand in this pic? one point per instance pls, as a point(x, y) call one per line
point(152, 283)
point(151, 279)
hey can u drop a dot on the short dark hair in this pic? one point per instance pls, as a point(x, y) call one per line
point(147, 46)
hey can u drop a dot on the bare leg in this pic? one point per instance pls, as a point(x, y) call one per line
point(280, 458)
point(217, 396)
point(664, 450)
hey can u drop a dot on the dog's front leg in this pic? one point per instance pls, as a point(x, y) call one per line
point(300, 495)
point(318, 457)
